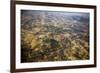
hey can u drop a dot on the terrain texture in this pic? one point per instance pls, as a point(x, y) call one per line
point(54, 36)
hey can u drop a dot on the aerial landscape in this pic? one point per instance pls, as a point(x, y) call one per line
point(54, 36)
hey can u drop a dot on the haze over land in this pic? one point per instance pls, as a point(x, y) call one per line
point(54, 36)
